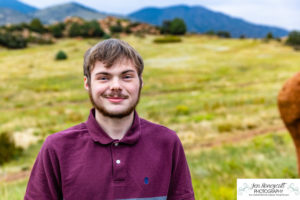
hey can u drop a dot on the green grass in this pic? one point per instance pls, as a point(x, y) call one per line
point(204, 88)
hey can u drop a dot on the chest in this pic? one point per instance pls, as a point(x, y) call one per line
point(115, 171)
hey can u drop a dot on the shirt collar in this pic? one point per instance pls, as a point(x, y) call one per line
point(99, 135)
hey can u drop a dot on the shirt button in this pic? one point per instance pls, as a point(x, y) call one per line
point(116, 144)
point(118, 161)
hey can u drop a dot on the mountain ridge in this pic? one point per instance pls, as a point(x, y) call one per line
point(65, 10)
point(200, 20)
point(18, 6)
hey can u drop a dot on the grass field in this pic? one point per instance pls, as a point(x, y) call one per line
point(218, 94)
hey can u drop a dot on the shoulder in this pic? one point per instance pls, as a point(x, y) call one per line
point(150, 129)
point(66, 136)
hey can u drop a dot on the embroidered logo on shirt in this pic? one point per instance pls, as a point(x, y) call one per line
point(146, 180)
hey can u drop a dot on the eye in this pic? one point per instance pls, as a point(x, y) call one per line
point(127, 76)
point(102, 78)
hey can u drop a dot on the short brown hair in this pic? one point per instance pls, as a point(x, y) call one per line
point(109, 52)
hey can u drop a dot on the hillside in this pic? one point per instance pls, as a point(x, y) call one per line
point(200, 20)
point(207, 89)
point(9, 16)
point(17, 5)
point(60, 12)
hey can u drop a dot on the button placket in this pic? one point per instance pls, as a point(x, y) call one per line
point(119, 169)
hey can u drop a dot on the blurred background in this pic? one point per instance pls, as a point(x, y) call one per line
point(213, 70)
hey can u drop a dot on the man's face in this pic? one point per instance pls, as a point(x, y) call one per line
point(114, 91)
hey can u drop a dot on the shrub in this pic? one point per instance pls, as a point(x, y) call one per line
point(36, 26)
point(210, 32)
point(106, 36)
point(182, 110)
point(116, 28)
point(224, 34)
point(242, 36)
point(74, 30)
point(167, 39)
point(88, 29)
point(57, 30)
point(269, 36)
point(12, 41)
point(294, 38)
point(61, 55)
point(39, 40)
point(165, 28)
point(174, 27)
point(128, 29)
point(8, 149)
point(92, 29)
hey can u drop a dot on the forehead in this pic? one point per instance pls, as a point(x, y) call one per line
point(118, 67)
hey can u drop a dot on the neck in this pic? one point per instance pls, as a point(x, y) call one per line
point(116, 128)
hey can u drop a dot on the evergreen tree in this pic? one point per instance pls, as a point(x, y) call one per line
point(269, 36)
point(57, 30)
point(75, 30)
point(224, 34)
point(177, 27)
point(36, 26)
point(116, 28)
point(294, 38)
point(174, 27)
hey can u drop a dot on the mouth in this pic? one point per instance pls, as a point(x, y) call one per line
point(115, 99)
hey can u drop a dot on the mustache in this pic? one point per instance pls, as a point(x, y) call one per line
point(116, 95)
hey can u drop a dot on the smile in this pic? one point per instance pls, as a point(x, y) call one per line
point(115, 99)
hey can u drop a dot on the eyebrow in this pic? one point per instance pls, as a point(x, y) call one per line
point(130, 70)
point(106, 73)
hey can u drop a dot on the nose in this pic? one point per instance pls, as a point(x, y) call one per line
point(115, 85)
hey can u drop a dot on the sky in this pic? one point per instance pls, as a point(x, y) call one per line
point(281, 13)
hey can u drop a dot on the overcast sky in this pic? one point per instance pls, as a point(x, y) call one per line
point(282, 13)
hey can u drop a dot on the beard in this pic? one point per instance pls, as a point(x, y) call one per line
point(101, 109)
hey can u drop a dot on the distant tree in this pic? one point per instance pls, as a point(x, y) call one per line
point(87, 29)
point(294, 38)
point(75, 30)
point(15, 27)
point(224, 34)
point(177, 27)
point(210, 32)
point(174, 27)
point(165, 28)
point(93, 29)
point(12, 41)
point(116, 28)
point(57, 30)
point(36, 26)
point(269, 36)
point(242, 36)
point(106, 36)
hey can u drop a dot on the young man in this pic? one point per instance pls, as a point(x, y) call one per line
point(115, 154)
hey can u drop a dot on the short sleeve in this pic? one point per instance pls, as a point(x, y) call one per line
point(44, 182)
point(181, 184)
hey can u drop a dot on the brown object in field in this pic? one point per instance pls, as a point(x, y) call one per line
point(289, 107)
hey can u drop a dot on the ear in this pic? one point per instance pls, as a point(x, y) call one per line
point(142, 82)
point(86, 85)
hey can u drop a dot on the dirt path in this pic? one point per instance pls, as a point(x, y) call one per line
point(235, 138)
point(218, 142)
point(14, 176)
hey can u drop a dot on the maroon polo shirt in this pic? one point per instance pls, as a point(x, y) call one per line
point(84, 163)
